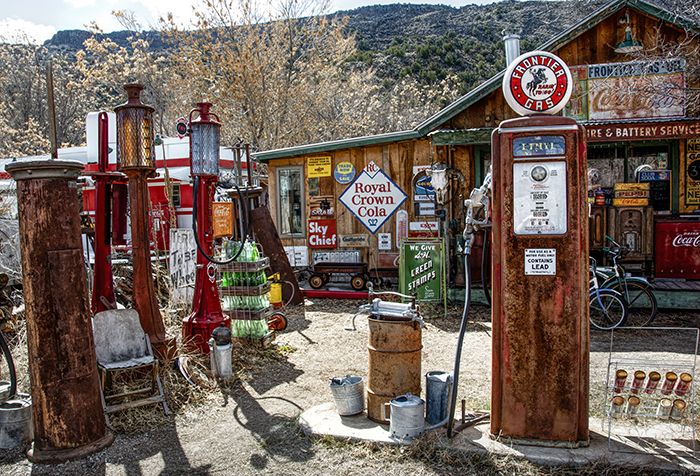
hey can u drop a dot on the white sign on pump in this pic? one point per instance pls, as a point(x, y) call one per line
point(539, 198)
point(541, 261)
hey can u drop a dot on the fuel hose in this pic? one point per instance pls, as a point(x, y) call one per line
point(460, 341)
point(194, 224)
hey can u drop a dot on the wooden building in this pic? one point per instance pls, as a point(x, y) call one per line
point(628, 132)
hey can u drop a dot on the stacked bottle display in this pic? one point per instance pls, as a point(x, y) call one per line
point(255, 328)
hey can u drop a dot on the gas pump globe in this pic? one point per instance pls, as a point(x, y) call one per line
point(136, 159)
point(206, 312)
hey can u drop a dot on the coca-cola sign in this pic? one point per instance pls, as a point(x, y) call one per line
point(687, 239)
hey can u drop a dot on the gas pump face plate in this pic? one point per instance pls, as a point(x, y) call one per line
point(537, 82)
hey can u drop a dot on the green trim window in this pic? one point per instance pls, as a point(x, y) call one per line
point(290, 201)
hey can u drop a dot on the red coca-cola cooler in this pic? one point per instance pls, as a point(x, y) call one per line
point(677, 253)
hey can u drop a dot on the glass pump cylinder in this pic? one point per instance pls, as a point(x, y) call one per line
point(135, 135)
point(204, 142)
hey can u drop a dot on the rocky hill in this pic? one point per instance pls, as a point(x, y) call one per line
point(428, 42)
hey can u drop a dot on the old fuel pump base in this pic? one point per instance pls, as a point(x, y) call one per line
point(61, 456)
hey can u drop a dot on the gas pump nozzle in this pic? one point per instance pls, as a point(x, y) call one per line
point(477, 215)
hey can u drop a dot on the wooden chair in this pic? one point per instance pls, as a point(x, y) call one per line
point(121, 344)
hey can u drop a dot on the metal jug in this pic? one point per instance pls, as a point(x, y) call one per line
point(406, 420)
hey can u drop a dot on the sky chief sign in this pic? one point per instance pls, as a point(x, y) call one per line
point(372, 197)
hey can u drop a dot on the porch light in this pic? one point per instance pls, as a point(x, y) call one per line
point(628, 45)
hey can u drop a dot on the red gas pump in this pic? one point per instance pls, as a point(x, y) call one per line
point(204, 155)
point(540, 359)
point(103, 285)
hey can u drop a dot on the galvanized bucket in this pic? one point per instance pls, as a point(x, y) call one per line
point(349, 395)
point(16, 422)
point(4, 390)
point(437, 395)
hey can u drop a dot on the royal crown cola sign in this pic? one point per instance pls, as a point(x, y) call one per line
point(372, 197)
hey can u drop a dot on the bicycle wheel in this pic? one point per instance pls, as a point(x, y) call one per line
point(607, 309)
point(8, 377)
point(641, 303)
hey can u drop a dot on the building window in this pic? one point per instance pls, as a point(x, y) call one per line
point(290, 201)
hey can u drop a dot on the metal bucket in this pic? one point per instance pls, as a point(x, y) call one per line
point(406, 420)
point(394, 363)
point(437, 395)
point(349, 395)
point(16, 422)
point(4, 390)
point(220, 360)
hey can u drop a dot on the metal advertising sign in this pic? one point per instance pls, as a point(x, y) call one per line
point(692, 184)
point(537, 82)
point(372, 197)
point(422, 268)
point(321, 206)
point(421, 184)
point(322, 234)
point(384, 241)
point(401, 226)
point(358, 240)
point(222, 223)
point(319, 166)
point(344, 173)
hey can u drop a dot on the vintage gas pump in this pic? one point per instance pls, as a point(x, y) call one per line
point(137, 160)
point(204, 155)
point(539, 391)
point(103, 285)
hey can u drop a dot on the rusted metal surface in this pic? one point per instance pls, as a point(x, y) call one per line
point(394, 363)
point(266, 233)
point(67, 409)
point(144, 295)
point(540, 323)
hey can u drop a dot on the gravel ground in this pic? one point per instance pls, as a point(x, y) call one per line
point(249, 426)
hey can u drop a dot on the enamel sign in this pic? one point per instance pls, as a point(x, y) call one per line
point(372, 197)
point(537, 82)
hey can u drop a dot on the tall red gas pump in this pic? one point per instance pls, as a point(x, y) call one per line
point(103, 285)
point(540, 356)
point(206, 312)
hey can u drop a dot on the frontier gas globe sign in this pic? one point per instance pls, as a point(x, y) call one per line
point(537, 82)
point(372, 197)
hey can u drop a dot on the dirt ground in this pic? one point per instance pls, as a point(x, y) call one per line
point(250, 425)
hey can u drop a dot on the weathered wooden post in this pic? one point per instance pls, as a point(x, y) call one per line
point(67, 409)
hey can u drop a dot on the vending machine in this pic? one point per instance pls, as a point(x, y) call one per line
point(540, 261)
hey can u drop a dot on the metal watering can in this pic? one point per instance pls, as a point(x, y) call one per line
point(406, 420)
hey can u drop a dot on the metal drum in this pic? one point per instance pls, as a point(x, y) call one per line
point(394, 355)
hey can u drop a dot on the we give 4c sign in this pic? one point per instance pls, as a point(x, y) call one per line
point(372, 197)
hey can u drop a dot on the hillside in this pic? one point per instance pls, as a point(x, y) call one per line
point(428, 42)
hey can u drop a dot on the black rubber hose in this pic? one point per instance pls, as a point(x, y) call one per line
point(194, 227)
point(460, 341)
point(485, 272)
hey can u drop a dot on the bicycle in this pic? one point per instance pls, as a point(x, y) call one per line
point(607, 307)
point(641, 302)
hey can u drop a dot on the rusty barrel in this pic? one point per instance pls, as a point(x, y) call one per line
point(67, 411)
point(394, 363)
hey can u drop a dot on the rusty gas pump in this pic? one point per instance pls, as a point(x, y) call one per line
point(539, 392)
point(136, 158)
point(206, 315)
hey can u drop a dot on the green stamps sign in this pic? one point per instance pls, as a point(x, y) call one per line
point(422, 268)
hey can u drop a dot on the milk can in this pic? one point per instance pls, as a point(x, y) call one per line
point(406, 420)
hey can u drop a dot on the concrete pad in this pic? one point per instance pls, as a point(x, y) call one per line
point(654, 448)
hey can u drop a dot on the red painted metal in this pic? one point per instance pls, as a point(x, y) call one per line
point(120, 198)
point(103, 285)
point(206, 312)
point(540, 366)
point(67, 411)
point(677, 251)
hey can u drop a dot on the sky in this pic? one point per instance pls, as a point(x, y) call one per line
point(41, 19)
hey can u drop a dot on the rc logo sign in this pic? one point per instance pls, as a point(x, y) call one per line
point(372, 197)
